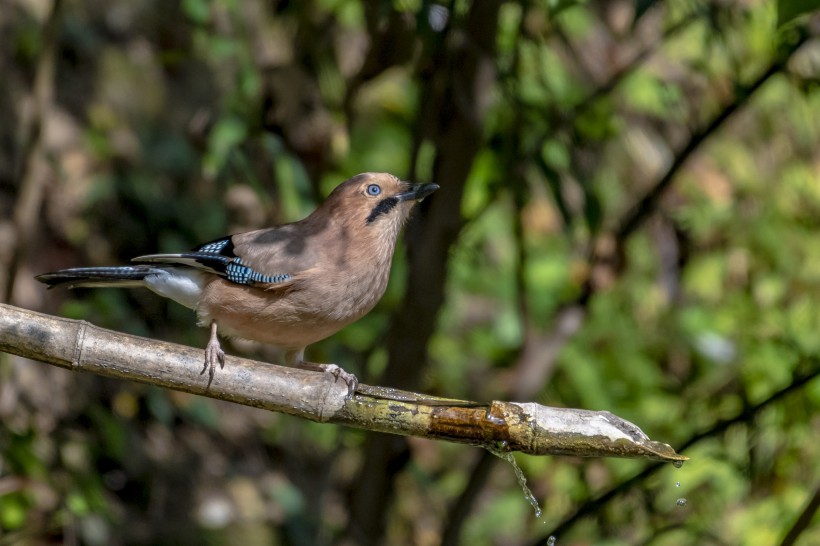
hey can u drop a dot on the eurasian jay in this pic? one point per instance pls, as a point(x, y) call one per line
point(290, 285)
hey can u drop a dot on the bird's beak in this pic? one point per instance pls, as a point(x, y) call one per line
point(417, 192)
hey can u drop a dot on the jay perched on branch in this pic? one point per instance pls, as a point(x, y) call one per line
point(288, 286)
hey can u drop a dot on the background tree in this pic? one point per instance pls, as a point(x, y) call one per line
point(627, 221)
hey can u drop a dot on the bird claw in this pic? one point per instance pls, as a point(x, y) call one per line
point(339, 373)
point(213, 355)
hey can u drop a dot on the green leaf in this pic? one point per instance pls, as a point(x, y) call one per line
point(77, 504)
point(13, 510)
point(226, 135)
point(198, 10)
point(787, 10)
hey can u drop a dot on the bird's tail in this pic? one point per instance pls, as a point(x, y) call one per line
point(120, 276)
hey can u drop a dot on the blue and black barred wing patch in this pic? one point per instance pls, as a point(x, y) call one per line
point(222, 247)
point(218, 257)
point(240, 273)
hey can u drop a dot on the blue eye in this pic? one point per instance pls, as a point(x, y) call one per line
point(374, 190)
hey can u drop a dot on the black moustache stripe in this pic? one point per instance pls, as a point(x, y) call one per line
point(382, 207)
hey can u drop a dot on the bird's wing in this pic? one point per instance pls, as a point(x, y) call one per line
point(235, 259)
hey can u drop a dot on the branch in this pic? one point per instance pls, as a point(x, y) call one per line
point(803, 521)
point(647, 204)
point(528, 428)
point(457, 78)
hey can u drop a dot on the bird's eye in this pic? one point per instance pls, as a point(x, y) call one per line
point(374, 190)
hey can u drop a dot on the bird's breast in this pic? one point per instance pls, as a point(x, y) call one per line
point(321, 302)
point(344, 294)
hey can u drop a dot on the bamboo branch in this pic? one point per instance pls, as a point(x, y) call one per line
point(525, 427)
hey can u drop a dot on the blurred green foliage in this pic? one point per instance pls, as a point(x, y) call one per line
point(173, 124)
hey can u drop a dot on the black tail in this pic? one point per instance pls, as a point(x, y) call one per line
point(126, 275)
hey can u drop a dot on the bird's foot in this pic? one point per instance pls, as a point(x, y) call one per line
point(213, 355)
point(337, 372)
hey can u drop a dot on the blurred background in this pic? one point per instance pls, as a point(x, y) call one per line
point(627, 221)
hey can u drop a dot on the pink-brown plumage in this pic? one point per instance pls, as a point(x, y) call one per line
point(290, 285)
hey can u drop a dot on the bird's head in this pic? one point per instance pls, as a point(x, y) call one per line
point(378, 203)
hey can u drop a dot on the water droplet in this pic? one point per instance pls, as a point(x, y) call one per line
point(677, 464)
point(551, 541)
point(677, 484)
point(519, 475)
point(681, 502)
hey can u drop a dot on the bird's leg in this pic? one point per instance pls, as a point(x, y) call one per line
point(296, 357)
point(213, 354)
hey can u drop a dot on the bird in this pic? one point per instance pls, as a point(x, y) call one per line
point(289, 285)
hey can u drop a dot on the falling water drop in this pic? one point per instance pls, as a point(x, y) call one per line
point(681, 502)
point(551, 541)
point(519, 475)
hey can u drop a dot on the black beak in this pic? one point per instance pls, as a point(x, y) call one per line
point(417, 192)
